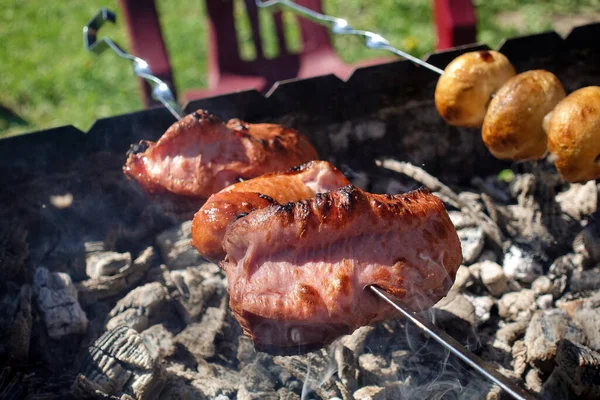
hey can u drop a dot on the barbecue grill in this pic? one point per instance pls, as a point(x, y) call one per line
point(65, 199)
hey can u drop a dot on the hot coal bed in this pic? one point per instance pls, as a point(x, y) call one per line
point(102, 296)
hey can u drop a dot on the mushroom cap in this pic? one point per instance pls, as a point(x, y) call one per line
point(464, 90)
point(573, 130)
point(512, 128)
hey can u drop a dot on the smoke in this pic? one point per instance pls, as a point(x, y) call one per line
point(405, 362)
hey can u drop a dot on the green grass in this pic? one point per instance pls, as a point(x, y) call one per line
point(47, 79)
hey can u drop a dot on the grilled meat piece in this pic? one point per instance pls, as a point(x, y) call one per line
point(299, 183)
point(297, 272)
point(200, 155)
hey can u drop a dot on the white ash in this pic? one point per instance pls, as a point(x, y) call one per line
point(92, 290)
point(199, 338)
point(545, 330)
point(463, 279)
point(483, 307)
point(175, 247)
point(198, 287)
point(516, 306)
point(57, 299)
point(545, 302)
point(542, 285)
point(120, 364)
point(141, 306)
point(106, 263)
point(579, 200)
point(493, 278)
point(472, 241)
point(461, 220)
point(458, 305)
point(159, 341)
point(521, 265)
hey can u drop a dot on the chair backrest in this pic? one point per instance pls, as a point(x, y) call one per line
point(224, 51)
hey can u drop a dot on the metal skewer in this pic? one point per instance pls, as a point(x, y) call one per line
point(456, 348)
point(340, 26)
point(160, 90)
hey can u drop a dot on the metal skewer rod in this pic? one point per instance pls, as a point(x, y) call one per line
point(160, 90)
point(456, 348)
point(339, 26)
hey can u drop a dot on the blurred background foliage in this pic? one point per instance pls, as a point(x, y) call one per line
point(47, 79)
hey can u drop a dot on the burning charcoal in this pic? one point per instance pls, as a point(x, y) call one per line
point(217, 381)
point(545, 302)
point(176, 249)
point(512, 331)
point(458, 305)
point(200, 337)
point(321, 378)
point(520, 265)
point(159, 341)
point(545, 330)
point(461, 220)
point(347, 368)
point(108, 286)
point(140, 307)
point(117, 364)
point(515, 306)
point(106, 263)
point(579, 201)
point(519, 354)
point(463, 279)
point(493, 278)
point(256, 379)
point(246, 353)
point(471, 241)
point(244, 394)
point(14, 249)
point(203, 286)
point(533, 380)
point(483, 307)
point(376, 370)
point(586, 315)
point(57, 299)
point(177, 388)
point(15, 323)
point(356, 341)
point(580, 367)
point(286, 394)
point(390, 391)
point(585, 280)
point(559, 273)
point(93, 247)
point(542, 285)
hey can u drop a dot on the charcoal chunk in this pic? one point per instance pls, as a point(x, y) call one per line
point(545, 330)
point(117, 364)
point(57, 299)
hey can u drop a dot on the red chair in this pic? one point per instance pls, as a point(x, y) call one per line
point(455, 23)
point(227, 72)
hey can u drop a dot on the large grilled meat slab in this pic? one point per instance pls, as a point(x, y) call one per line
point(200, 155)
point(298, 183)
point(297, 272)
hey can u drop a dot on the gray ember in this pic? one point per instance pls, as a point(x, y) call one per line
point(103, 297)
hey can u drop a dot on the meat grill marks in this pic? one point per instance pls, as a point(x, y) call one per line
point(299, 183)
point(200, 155)
point(297, 271)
